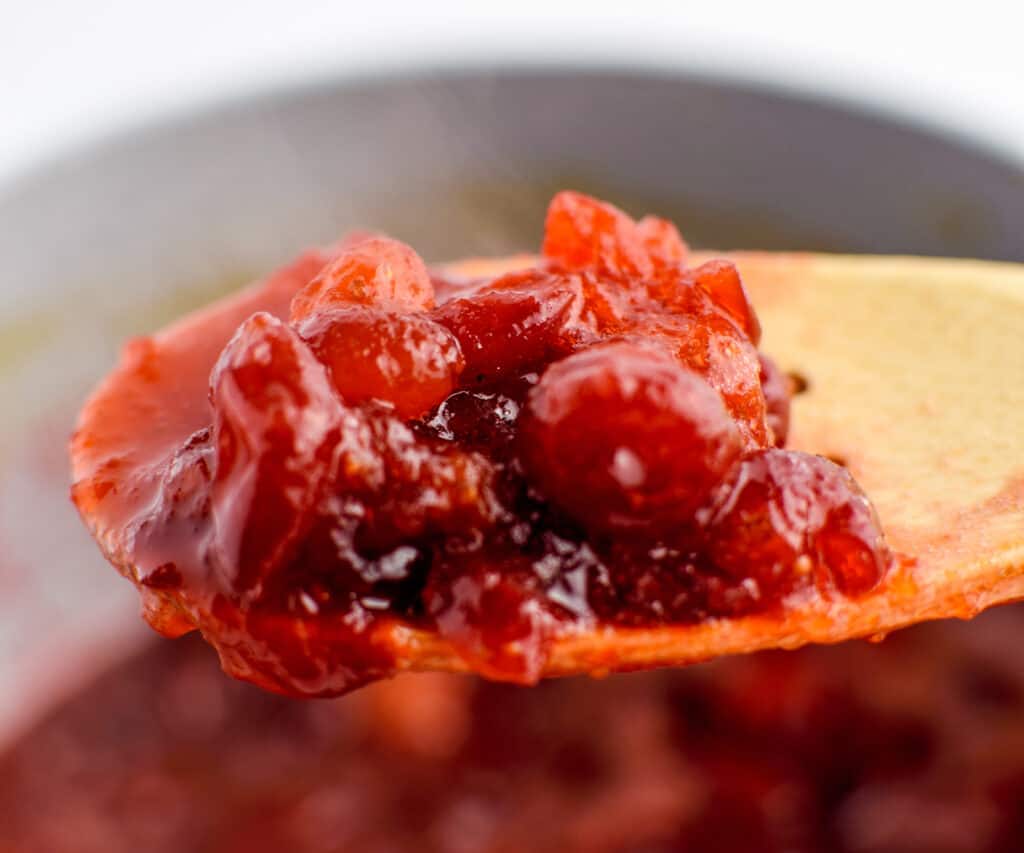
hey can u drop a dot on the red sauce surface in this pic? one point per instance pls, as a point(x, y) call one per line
point(594, 440)
point(912, 746)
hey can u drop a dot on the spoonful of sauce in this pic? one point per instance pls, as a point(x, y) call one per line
point(579, 462)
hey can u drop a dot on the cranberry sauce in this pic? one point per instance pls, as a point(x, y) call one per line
point(594, 440)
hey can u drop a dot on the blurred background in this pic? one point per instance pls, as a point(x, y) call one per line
point(72, 71)
point(153, 156)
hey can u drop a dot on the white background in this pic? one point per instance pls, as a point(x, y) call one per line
point(74, 70)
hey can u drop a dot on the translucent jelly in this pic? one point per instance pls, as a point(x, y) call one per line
point(591, 441)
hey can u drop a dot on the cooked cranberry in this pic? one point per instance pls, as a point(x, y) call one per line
point(581, 233)
point(713, 347)
point(776, 398)
point(373, 271)
point(488, 605)
point(597, 306)
point(722, 281)
point(505, 333)
point(290, 457)
point(275, 429)
point(787, 520)
point(663, 243)
point(368, 545)
point(624, 438)
point(178, 515)
point(292, 277)
point(407, 360)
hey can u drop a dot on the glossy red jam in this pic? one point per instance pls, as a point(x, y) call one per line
point(594, 440)
point(910, 746)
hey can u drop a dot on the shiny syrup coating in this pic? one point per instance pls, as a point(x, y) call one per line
point(591, 441)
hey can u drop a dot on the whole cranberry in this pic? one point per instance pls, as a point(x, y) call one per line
point(407, 360)
point(786, 520)
point(622, 437)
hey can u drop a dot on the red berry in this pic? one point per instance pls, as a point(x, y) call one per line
point(598, 308)
point(510, 329)
point(407, 360)
point(624, 438)
point(711, 345)
point(582, 233)
point(722, 281)
point(786, 520)
point(275, 427)
point(373, 271)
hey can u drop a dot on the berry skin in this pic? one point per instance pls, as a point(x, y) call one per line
point(625, 439)
point(584, 234)
point(522, 322)
point(721, 280)
point(406, 360)
point(275, 428)
point(788, 520)
point(373, 271)
point(663, 243)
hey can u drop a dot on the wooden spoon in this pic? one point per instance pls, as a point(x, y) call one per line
point(914, 373)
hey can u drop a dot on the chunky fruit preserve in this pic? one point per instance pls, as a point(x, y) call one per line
point(592, 439)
